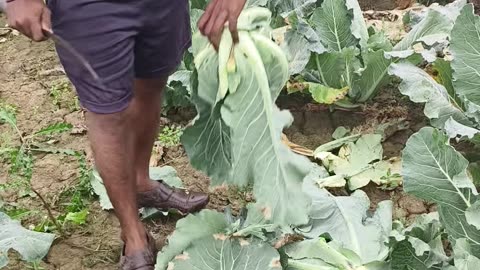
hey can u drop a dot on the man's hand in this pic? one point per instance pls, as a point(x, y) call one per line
point(219, 12)
point(29, 17)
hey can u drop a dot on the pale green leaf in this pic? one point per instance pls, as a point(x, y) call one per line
point(456, 130)
point(78, 218)
point(32, 246)
point(237, 140)
point(473, 214)
point(337, 143)
point(435, 172)
point(434, 28)
point(420, 245)
point(346, 220)
point(340, 132)
point(464, 257)
point(8, 117)
point(182, 76)
point(318, 254)
point(379, 41)
point(466, 53)
point(188, 230)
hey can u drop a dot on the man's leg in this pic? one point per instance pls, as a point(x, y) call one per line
point(112, 140)
point(146, 103)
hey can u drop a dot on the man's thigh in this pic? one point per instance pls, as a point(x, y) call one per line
point(164, 36)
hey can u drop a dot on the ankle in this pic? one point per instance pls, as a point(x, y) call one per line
point(135, 239)
point(145, 184)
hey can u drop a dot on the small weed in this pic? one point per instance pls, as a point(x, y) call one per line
point(170, 136)
point(20, 158)
point(61, 94)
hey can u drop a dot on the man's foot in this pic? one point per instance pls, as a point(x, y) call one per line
point(142, 259)
point(164, 197)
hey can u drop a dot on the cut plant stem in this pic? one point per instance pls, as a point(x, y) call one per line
point(50, 214)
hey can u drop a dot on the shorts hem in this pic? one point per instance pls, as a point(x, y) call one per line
point(109, 108)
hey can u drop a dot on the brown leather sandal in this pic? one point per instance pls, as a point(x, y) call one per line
point(140, 260)
point(165, 197)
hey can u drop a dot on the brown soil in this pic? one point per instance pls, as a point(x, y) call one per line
point(385, 4)
point(28, 71)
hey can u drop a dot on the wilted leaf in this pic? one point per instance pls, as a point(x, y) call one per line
point(359, 163)
point(326, 95)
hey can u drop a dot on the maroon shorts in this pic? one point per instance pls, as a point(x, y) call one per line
point(122, 40)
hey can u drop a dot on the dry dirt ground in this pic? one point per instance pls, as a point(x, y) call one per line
point(28, 73)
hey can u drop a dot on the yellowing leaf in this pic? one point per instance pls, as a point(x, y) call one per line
point(326, 95)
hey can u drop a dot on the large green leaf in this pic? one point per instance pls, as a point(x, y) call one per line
point(335, 69)
point(188, 230)
point(434, 28)
point(221, 252)
point(333, 22)
point(346, 220)
point(464, 255)
point(421, 88)
point(296, 47)
point(298, 43)
point(32, 246)
point(372, 78)
point(466, 62)
point(419, 246)
point(435, 172)
point(236, 137)
point(358, 27)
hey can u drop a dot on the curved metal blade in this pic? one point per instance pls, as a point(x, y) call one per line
point(67, 46)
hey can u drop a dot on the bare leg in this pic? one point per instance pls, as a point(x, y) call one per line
point(147, 107)
point(112, 140)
